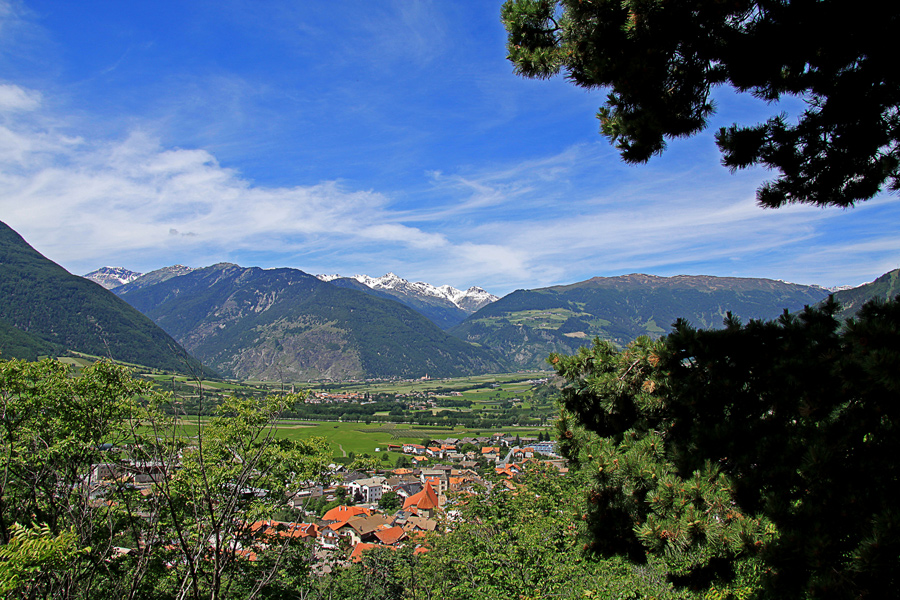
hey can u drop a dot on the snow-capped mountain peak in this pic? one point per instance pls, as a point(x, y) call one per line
point(112, 277)
point(469, 300)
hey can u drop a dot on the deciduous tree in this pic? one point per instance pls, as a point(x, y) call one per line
point(73, 525)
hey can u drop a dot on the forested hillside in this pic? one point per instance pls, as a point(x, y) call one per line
point(527, 325)
point(442, 313)
point(46, 310)
point(885, 287)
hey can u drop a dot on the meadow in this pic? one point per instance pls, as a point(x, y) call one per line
point(371, 439)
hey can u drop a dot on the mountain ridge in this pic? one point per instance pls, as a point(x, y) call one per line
point(527, 325)
point(444, 305)
point(111, 277)
point(271, 323)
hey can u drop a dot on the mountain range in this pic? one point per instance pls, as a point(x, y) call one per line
point(445, 305)
point(284, 324)
point(111, 277)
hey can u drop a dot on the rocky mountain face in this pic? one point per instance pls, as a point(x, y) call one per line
point(45, 310)
point(112, 277)
point(445, 305)
point(154, 277)
point(527, 325)
point(283, 324)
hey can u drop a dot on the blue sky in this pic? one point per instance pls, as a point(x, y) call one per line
point(366, 137)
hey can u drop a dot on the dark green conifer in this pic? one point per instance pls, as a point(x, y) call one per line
point(759, 457)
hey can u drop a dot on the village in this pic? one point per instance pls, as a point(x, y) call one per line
point(352, 511)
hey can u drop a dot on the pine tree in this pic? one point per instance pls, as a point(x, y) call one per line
point(660, 60)
point(757, 458)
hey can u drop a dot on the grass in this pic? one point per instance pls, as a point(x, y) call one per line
point(360, 438)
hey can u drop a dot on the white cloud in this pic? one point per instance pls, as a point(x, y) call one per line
point(557, 219)
point(14, 98)
point(129, 195)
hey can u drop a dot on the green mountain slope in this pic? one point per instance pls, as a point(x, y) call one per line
point(47, 310)
point(283, 324)
point(527, 325)
point(885, 287)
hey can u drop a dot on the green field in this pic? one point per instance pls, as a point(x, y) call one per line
point(438, 385)
point(360, 438)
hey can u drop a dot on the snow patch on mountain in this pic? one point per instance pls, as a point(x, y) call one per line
point(469, 300)
point(112, 277)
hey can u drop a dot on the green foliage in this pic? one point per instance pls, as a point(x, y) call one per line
point(235, 473)
point(389, 501)
point(660, 61)
point(34, 561)
point(364, 463)
point(754, 459)
point(73, 448)
point(524, 543)
point(382, 574)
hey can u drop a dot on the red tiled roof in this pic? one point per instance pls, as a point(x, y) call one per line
point(424, 500)
point(248, 554)
point(358, 549)
point(342, 513)
point(391, 535)
point(361, 547)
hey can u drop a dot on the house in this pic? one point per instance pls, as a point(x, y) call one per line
point(391, 535)
point(425, 503)
point(358, 549)
point(329, 538)
point(266, 531)
point(490, 453)
point(545, 447)
point(370, 489)
point(439, 477)
point(509, 470)
point(363, 528)
point(420, 524)
point(405, 490)
point(342, 514)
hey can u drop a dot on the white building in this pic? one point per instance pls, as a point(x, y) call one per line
point(369, 489)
